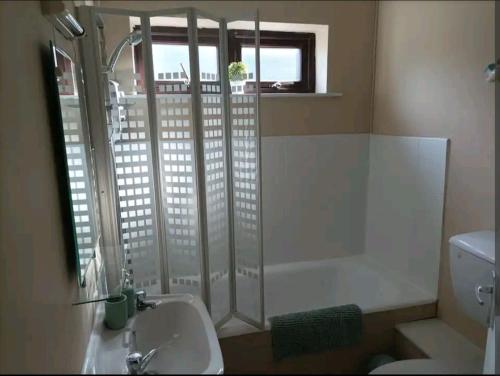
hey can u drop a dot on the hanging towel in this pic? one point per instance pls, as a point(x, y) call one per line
point(315, 331)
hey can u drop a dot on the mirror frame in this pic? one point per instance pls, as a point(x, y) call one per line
point(73, 256)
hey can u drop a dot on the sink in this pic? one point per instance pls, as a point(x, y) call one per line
point(180, 328)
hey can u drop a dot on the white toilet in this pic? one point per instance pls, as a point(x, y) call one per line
point(472, 258)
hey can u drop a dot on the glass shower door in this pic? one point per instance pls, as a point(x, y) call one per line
point(131, 140)
point(246, 175)
point(185, 152)
point(182, 68)
point(166, 70)
point(213, 103)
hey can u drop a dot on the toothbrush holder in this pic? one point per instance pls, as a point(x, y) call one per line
point(116, 312)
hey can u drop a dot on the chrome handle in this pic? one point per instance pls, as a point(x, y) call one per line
point(148, 357)
point(134, 362)
point(140, 295)
point(482, 290)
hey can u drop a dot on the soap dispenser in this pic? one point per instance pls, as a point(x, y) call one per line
point(129, 291)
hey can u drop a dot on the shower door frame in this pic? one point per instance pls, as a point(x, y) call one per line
point(261, 324)
point(97, 116)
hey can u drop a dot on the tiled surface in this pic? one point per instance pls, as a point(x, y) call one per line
point(405, 204)
point(314, 192)
point(341, 195)
point(439, 341)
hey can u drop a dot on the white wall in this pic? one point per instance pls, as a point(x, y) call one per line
point(341, 195)
point(405, 206)
point(313, 196)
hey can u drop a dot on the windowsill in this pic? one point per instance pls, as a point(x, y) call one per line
point(301, 95)
point(263, 95)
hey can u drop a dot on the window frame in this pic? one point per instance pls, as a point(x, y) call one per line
point(237, 39)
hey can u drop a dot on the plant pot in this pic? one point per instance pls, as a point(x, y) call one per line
point(238, 87)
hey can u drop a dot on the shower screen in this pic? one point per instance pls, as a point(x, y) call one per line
point(184, 149)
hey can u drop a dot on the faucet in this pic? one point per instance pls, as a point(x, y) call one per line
point(136, 363)
point(141, 301)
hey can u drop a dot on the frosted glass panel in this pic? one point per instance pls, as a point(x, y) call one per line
point(212, 110)
point(276, 64)
point(178, 191)
point(129, 132)
point(177, 164)
point(244, 123)
point(134, 174)
point(245, 204)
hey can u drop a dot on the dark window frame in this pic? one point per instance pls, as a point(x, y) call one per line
point(236, 40)
point(280, 39)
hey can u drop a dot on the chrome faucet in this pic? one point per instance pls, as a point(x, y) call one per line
point(141, 301)
point(136, 363)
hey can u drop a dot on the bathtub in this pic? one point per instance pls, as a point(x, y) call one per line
point(308, 285)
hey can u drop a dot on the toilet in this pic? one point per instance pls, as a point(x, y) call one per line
point(472, 260)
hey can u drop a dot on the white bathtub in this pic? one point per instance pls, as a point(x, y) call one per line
point(309, 285)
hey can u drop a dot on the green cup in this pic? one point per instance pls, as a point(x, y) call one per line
point(116, 312)
point(130, 292)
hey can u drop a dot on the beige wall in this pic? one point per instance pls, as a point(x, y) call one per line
point(430, 57)
point(428, 83)
point(40, 331)
point(350, 61)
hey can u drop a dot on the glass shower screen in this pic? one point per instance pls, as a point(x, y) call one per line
point(246, 179)
point(171, 94)
point(213, 121)
point(186, 151)
point(131, 140)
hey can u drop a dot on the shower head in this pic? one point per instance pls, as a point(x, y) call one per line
point(133, 39)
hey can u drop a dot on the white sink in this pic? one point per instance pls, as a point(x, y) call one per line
point(180, 328)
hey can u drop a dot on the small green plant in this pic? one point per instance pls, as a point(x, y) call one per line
point(237, 71)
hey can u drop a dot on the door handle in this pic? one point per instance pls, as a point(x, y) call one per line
point(482, 290)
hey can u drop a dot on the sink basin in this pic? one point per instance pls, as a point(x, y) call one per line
point(180, 328)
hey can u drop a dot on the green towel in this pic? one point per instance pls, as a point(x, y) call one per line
point(315, 331)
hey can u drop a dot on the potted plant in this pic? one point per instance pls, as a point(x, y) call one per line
point(237, 72)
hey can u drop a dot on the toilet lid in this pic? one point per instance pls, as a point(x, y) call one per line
point(412, 366)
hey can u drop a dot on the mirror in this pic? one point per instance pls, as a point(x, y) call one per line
point(79, 177)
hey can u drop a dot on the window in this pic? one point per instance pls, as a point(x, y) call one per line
point(172, 58)
point(287, 62)
point(278, 64)
point(171, 54)
point(287, 58)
